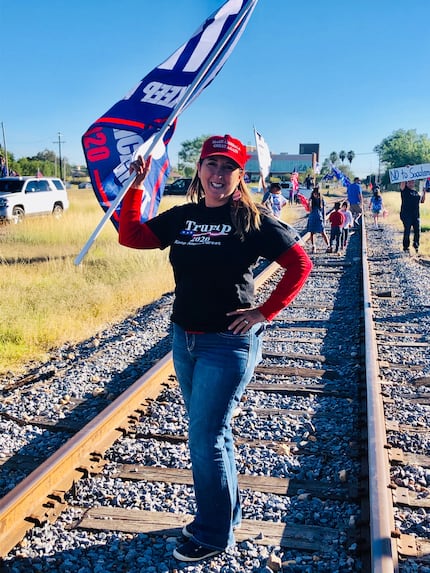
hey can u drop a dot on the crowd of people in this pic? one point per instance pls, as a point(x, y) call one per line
point(346, 215)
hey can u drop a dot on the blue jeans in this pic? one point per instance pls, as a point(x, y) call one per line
point(213, 370)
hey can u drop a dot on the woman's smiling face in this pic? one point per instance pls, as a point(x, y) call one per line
point(219, 177)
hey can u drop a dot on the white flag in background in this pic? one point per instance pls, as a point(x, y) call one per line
point(263, 154)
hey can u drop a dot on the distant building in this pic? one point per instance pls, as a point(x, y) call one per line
point(283, 164)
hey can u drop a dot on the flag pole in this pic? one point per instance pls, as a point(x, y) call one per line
point(159, 134)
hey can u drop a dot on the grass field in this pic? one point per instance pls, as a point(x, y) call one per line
point(47, 301)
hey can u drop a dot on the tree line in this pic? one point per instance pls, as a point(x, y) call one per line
point(402, 147)
point(45, 162)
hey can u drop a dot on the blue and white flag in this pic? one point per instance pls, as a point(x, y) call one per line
point(145, 118)
point(340, 176)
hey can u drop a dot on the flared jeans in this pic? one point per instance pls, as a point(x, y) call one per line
point(213, 370)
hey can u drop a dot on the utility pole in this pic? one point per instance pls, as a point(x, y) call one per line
point(59, 154)
point(5, 149)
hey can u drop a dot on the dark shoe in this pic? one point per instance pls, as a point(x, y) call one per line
point(187, 531)
point(190, 551)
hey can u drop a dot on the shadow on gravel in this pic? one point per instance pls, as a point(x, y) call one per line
point(111, 555)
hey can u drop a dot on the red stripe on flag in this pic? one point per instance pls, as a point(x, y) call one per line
point(122, 121)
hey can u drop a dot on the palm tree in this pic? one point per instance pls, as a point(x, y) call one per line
point(342, 155)
point(350, 155)
point(333, 157)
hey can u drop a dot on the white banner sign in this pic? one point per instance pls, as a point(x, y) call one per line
point(409, 173)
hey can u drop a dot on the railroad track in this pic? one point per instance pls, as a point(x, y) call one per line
point(301, 435)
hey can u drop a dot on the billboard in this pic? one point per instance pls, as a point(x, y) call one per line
point(305, 148)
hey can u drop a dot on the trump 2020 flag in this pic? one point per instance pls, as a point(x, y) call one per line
point(144, 120)
point(340, 176)
point(263, 155)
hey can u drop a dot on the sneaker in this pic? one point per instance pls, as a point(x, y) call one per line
point(329, 250)
point(190, 551)
point(186, 531)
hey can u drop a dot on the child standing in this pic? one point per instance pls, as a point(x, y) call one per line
point(316, 218)
point(336, 219)
point(376, 204)
point(275, 201)
point(347, 224)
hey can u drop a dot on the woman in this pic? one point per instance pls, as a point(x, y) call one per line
point(316, 218)
point(215, 240)
point(376, 204)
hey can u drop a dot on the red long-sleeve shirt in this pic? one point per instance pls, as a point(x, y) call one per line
point(212, 267)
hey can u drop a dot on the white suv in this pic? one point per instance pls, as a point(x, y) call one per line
point(23, 196)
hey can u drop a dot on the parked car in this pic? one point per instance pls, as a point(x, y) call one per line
point(178, 187)
point(85, 185)
point(25, 196)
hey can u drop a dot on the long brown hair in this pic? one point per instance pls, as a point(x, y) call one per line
point(245, 214)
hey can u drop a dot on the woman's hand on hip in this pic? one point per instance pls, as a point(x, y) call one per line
point(245, 319)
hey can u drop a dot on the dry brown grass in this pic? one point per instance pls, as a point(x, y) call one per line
point(46, 300)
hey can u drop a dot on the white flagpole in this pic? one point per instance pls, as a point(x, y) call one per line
point(159, 134)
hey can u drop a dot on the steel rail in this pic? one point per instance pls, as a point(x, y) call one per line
point(383, 548)
point(40, 496)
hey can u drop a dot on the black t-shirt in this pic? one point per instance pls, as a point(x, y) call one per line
point(410, 207)
point(213, 268)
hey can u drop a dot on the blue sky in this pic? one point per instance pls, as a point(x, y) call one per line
point(341, 74)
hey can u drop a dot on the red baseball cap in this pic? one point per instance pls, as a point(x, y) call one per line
point(227, 146)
